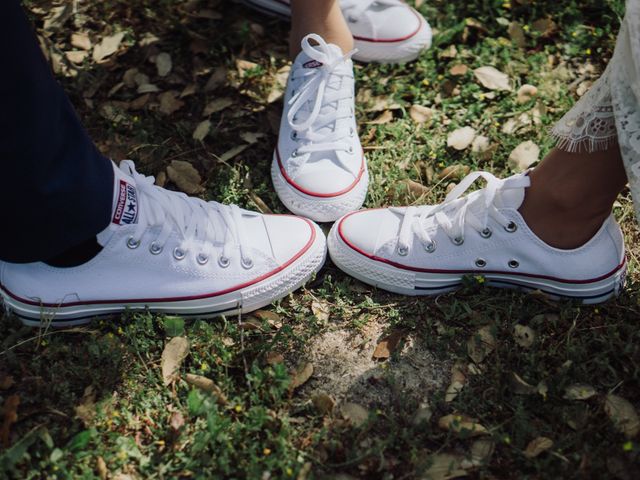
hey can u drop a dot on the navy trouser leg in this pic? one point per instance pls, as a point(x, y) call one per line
point(56, 189)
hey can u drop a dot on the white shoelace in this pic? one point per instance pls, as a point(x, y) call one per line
point(355, 8)
point(454, 213)
point(195, 220)
point(321, 95)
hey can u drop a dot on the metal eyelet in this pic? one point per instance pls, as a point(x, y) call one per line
point(458, 241)
point(155, 249)
point(431, 247)
point(202, 259)
point(481, 262)
point(223, 261)
point(351, 132)
point(294, 135)
point(486, 233)
point(403, 250)
point(294, 153)
point(514, 264)
point(132, 243)
point(246, 263)
point(350, 150)
point(511, 227)
point(179, 253)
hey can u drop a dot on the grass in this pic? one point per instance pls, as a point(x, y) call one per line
point(92, 401)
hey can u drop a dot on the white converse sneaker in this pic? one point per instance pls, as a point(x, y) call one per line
point(170, 253)
point(384, 31)
point(319, 170)
point(427, 250)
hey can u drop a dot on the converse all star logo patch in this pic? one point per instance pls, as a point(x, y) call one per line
point(126, 211)
point(312, 64)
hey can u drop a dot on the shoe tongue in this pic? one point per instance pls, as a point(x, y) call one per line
point(509, 198)
point(126, 206)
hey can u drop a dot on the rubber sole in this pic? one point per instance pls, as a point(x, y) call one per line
point(316, 208)
point(243, 300)
point(413, 283)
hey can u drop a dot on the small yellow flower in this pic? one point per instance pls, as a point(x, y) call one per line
point(425, 82)
point(588, 51)
point(627, 446)
point(120, 331)
point(481, 96)
point(441, 165)
point(440, 77)
point(204, 366)
point(266, 451)
point(525, 28)
point(506, 5)
point(574, 34)
point(479, 279)
point(496, 124)
point(122, 455)
point(507, 439)
point(238, 408)
point(289, 472)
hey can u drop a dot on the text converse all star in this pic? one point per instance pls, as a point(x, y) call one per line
point(169, 253)
point(428, 250)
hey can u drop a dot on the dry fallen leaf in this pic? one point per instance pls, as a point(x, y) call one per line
point(537, 446)
point(81, 41)
point(323, 403)
point(458, 380)
point(462, 424)
point(174, 353)
point(415, 188)
point(454, 172)
point(388, 345)
point(321, 310)
point(524, 336)
point(202, 130)
point(458, 70)
point(519, 386)
point(523, 156)
point(579, 391)
point(274, 358)
point(10, 416)
point(480, 144)
point(101, 467)
point(444, 466)
point(86, 411)
point(420, 114)
point(217, 79)
point(207, 385)
point(185, 176)
point(163, 64)
point(301, 375)
point(492, 78)
point(623, 415)
point(461, 138)
point(176, 421)
point(169, 102)
point(516, 33)
point(76, 56)
point(354, 413)
point(216, 105)
point(384, 117)
point(107, 47)
point(526, 92)
point(481, 344)
point(481, 452)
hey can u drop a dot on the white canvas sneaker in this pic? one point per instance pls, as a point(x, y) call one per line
point(318, 169)
point(384, 31)
point(427, 250)
point(173, 254)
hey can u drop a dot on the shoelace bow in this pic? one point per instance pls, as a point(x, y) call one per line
point(356, 8)
point(323, 88)
point(454, 213)
point(195, 220)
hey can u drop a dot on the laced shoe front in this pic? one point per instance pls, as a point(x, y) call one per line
point(428, 250)
point(319, 170)
point(172, 254)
